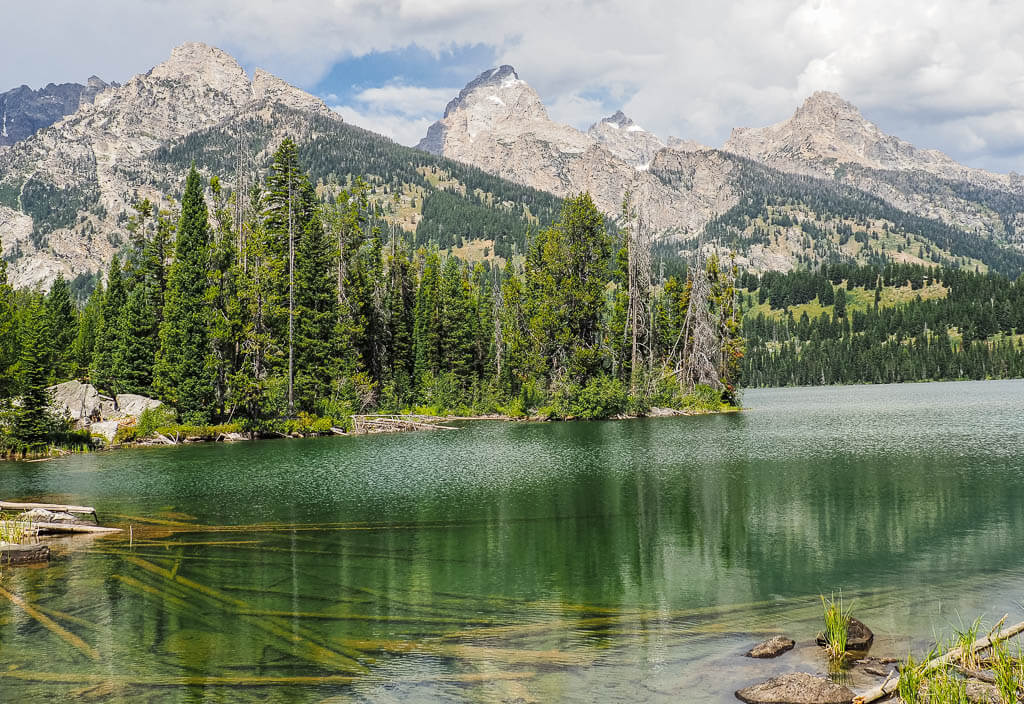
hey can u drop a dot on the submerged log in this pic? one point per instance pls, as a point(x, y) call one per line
point(47, 622)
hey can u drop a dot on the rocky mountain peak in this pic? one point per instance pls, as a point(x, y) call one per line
point(626, 139)
point(496, 100)
point(618, 120)
point(198, 63)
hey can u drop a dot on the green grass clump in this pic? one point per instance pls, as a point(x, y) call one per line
point(911, 681)
point(946, 688)
point(14, 531)
point(964, 638)
point(837, 621)
point(1008, 671)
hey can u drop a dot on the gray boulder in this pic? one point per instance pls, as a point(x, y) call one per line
point(81, 402)
point(858, 636)
point(771, 648)
point(106, 428)
point(134, 404)
point(796, 688)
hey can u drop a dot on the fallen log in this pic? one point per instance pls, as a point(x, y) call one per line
point(950, 657)
point(46, 528)
point(59, 508)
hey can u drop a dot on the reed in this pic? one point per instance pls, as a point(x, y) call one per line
point(837, 623)
point(14, 531)
point(911, 681)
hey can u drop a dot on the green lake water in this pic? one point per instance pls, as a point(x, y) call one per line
point(525, 562)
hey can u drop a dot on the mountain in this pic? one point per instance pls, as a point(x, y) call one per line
point(828, 137)
point(24, 111)
point(66, 192)
point(782, 196)
point(627, 140)
point(499, 124)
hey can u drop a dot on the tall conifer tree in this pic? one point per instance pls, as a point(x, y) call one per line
point(183, 374)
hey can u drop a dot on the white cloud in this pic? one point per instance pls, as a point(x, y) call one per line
point(945, 74)
point(401, 128)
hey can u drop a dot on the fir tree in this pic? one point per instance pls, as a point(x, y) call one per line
point(183, 374)
point(136, 352)
point(62, 318)
point(108, 338)
point(9, 338)
point(32, 419)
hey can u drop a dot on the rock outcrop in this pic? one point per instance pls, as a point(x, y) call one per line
point(101, 415)
point(627, 140)
point(499, 124)
point(829, 137)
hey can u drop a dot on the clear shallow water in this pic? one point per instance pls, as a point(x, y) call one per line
point(616, 561)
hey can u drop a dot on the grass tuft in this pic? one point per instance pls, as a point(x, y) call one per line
point(14, 531)
point(837, 623)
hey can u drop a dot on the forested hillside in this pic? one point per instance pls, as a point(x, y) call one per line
point(848, 324)
point(440, 200)
point(786, 217)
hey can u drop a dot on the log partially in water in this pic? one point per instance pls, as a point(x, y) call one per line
point(71, 528)
point(890, 686)
point(59, 508)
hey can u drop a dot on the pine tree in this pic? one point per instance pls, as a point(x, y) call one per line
point(108, 338)
point(62, 318)
point(32, 419)
point(316, 307)
point(427, 334)
point(136, 352)
point(9, 338)
point(84, 345)
point(457, 328)
point(183, 374)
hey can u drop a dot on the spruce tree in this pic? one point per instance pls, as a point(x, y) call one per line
point(108, 338)
point(136, 352)
point(32, 419)
point(9, 338)
point(457, 329)
point(183, 374)
point(62, 318)
point(427, 334)
point(84, 344)
point(316, 307)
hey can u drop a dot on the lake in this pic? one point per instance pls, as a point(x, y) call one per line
point(614, 561)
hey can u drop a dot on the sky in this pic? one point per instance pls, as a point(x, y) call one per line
point(943, 74)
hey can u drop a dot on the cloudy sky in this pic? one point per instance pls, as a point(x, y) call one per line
point(946, 74)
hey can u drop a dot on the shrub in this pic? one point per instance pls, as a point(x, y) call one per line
point(601, 397)
point(153, 418)
point(702, 398)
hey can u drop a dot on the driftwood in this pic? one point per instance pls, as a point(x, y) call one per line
point(70, 528)
point(890, 686)
point(59, 508)
point(392, 423)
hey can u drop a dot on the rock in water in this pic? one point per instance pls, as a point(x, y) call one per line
point(771, 648)
point(858, 636)
point(23, 554)
point(796, 688)
point(982, 693)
